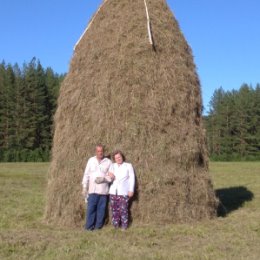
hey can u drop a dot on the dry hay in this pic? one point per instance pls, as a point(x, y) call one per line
point(145, 101)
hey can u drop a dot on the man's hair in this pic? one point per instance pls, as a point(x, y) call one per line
point(118, 152)
point(100, 145)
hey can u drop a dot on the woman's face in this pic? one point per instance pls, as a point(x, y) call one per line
point(118, 158)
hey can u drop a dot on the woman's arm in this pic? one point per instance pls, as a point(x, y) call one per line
point(110, 175)
point(131, 180)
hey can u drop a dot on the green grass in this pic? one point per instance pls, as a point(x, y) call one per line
point(23, 234)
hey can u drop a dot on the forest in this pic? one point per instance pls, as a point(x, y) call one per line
point(233, 124)
point(28, 99)
point(28, 95)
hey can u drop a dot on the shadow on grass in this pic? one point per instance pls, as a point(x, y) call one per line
point(232, 199)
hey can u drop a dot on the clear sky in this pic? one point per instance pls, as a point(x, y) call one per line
point(224, 36)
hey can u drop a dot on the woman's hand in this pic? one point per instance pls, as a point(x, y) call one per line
point(130, 194)
point(112, 176)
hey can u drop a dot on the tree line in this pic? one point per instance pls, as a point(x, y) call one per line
point(28, 95)
point(233, 124)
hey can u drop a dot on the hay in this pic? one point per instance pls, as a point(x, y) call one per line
point(145, 101)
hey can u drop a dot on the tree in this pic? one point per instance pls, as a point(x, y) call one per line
point(27, 104)
point(233, 123)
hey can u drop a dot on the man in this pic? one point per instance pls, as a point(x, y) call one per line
point(95, 185)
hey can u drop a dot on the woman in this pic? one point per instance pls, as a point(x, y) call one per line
point(121, 190)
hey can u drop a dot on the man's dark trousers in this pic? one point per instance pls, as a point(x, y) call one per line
point(96, 209)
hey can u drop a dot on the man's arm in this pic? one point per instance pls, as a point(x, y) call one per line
point(85, 180)
point(110, 174)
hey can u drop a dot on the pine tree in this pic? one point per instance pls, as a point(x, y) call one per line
point(2, 106)
point(27, 103)
point(233, 123)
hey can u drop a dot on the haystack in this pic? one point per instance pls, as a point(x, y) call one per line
point(132, 85)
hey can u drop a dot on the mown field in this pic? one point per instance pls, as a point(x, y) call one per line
point(235, 235)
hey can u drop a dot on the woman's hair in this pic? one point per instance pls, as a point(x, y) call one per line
point(118, 152)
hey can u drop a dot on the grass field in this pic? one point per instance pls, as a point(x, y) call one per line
point(23, 235)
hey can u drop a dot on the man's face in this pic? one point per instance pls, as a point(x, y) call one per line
point(99, 152)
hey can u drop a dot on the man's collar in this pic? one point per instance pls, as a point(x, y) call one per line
point(101, 159)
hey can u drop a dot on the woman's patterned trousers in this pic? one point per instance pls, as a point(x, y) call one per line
point(119, 208)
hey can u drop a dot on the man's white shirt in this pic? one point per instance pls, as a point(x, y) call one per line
point(93, 170)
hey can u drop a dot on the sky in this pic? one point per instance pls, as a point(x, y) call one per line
point(223, 34)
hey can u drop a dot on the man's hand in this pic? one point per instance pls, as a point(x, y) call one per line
point(84, 192)
point(130, 194)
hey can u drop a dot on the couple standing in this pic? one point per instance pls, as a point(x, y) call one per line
point(102, 177)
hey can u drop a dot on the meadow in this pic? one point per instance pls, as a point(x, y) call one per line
point(234, 235)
